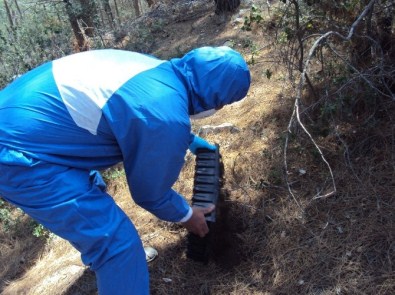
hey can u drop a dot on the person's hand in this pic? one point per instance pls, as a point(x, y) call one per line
point(198, 143)
point(197, 223)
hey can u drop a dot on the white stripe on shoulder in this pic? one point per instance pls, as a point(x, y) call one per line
point(87, 80)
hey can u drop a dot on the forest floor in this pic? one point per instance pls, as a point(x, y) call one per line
point(272, 243)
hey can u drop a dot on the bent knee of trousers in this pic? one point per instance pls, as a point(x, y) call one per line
point(73, 204)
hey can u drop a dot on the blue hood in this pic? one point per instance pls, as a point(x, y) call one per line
point(215, 76)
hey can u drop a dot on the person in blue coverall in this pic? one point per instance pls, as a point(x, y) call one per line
point(67, 119)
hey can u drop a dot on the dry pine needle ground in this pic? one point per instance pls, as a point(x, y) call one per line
point(343, 244)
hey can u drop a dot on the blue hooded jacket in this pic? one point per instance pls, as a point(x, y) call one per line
point(94, 109)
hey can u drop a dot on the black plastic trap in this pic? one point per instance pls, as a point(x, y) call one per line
point(206, 192)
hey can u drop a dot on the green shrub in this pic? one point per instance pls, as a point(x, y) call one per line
point(34, 39)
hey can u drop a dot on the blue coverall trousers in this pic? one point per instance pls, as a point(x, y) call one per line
point(73, 204)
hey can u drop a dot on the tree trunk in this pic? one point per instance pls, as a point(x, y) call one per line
point(88, 16)
point(107, 9)
point(385, 24)
point(117, 10)
point(9, 16)
point(150, 3)
point(73, 19)
point(223, 6)
point(137, 7)
point(18, 8)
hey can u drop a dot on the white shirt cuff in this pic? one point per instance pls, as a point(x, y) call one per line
point(186, 217)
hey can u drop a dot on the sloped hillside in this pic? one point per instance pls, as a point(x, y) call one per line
point(272, 242)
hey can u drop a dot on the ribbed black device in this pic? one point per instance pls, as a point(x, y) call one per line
point(206, 192)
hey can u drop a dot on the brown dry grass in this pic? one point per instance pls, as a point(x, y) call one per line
point(340, 245)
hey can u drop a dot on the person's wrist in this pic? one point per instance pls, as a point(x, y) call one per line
point(187, 216)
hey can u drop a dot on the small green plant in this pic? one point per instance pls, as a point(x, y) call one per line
point(7, 218)
point(275, 176)
point(254, 52)
point(247, 43)
point(40, 231)
point(268, 73)
point(254, 17)
point(285, 35)
point(113, 173)
point(350, 5)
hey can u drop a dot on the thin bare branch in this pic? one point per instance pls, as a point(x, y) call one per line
point(296, 112)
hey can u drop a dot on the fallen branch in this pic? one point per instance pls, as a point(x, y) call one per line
point(296, 114)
